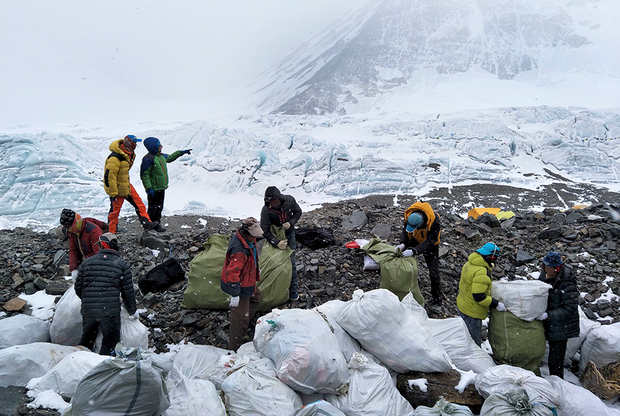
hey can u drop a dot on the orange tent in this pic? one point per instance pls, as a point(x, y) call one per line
point(476, 212)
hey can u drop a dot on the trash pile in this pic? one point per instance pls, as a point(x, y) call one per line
point(337, 350)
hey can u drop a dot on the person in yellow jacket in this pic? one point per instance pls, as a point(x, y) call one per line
point(116, 182)
point(474, 298)
point(420, 235)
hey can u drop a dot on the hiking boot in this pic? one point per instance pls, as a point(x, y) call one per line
point(148, 225)
point(294, 296)
point(160, 228)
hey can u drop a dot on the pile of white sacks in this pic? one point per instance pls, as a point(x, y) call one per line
point(340, 358)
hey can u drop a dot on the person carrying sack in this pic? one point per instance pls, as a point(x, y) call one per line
point(420, 235)
point(474, 298)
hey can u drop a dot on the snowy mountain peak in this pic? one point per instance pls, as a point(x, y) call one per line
point(397, 45)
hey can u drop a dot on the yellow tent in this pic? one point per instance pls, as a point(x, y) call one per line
point(580, 206)
point(476, 212)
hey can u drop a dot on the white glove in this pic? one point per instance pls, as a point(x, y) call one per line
point(282, 244)
point(500, 307)
point(543, 316)
point(408, 253)
point(136, 315)
point(286, 225)
point(400, 247)
point(234, 301)
point(74, 275)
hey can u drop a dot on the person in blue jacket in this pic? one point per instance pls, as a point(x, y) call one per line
point(154, 176)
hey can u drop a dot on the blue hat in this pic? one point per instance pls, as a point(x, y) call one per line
point(553, 259)
point(152, 144)
point(413, 222)
point(489, 249)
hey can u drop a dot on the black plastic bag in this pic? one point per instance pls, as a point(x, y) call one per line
point(161, 277)
point(314, 238)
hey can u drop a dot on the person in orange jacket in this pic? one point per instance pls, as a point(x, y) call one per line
point(116, 182)
point(420, 235)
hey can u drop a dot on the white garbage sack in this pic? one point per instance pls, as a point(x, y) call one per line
point(304, 349)
point(134, 333)
point(383, 326)
point(203, 362)
point(120, 386)
point(21, 363)
point(586, 325)
point(414, 307)
point(577, 401)
point(64, 377)
point(602, 346)
point(318, 408)
point(66, 328)
point(370, 263)
point(193, 397)
point(443, 408)
point(505, 378)
point(331, 310)
point(515, 403)
point(23, 329)
point(255, 390)
point(453, 335)
point(371, 391)
point(526, 299)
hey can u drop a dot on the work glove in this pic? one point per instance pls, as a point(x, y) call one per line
point(400, 247)
point(408, 253)
point(282, 244)
point(234, 301)
point(500, 307)
point(74, 274)
point(150, 193)
point(286, 225)
point(186, 152)
point(543, 316)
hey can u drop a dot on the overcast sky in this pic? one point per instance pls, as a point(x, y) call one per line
point(76, 61)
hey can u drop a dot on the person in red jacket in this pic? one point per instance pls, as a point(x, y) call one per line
point(239, 276)
point(83, 235)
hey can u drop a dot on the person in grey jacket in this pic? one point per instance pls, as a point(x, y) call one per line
point(101, 281)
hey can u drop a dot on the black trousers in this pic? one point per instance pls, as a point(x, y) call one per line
point(156, 205)
point(557, 351)
point(110, 328)
point(431, 256)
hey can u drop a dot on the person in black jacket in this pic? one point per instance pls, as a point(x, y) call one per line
point(562, 317)
point(420, 235)
point(282, 211)
point(100, 282)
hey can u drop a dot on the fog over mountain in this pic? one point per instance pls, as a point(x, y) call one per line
point(407, 47)
point(397, 97)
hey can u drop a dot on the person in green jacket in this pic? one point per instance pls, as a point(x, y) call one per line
point(154, 175)
point(474, 298)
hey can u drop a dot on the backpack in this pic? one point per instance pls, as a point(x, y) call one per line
point(161, 277)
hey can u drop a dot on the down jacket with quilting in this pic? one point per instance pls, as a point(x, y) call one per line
point(102, 279)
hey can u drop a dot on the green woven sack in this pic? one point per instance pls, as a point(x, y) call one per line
point(275, 272)
point(517, 342)
point(205, 276)
point(399, 274)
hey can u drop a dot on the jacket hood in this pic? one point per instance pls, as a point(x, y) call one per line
point(152, 145)
point(115, 147)
point(476, 259)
